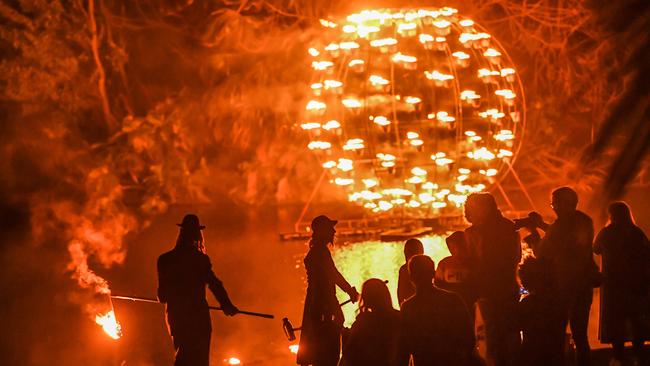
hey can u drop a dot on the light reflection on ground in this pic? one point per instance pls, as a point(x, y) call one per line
point(363, 260)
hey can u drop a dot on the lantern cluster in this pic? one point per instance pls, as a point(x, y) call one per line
point(412, 109)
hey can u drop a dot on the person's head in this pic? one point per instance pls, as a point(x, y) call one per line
point(457, 243)
point(375, 296)
point(322, 228)
point(620, 214)
point(412, 247)
point(535, 275)
point(421, 270)
point(564, 201)
point(190, 234)
point(479, 207)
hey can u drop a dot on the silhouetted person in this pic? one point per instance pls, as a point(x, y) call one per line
point(496, 251)
point(454, 273)
point(567, 246)
point(540, 317)
point(373, 337)
point(183, 274)
point(435, 327)
point(322, 319)
point(405, 288)
point(626, 269)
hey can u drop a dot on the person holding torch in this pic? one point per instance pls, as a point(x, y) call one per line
point(322, 320)
point(183, 274)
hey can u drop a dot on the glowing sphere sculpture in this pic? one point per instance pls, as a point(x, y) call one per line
point(412, 109)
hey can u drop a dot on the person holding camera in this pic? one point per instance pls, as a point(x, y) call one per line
point(494, 252)
point(567, 246)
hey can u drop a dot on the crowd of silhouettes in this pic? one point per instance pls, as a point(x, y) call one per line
point(485, 304)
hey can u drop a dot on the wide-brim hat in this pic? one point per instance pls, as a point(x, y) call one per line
point(191, 221)
point(322, 222)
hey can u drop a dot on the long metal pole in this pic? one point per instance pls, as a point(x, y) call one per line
point(155, 301)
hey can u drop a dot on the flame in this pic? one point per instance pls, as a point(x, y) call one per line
point(233, 361)
point(110, 324)
point(293, 348)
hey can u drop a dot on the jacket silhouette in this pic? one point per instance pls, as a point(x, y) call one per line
point(435, 327)
point(322, 320)
point(372, 340)
point(567, 247)
point(183, 274)
point(495, 252)
point(625, 296)
point(540, 316)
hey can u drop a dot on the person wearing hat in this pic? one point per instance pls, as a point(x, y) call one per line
point(183, 274)
point(322, 320)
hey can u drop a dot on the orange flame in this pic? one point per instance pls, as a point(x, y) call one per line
point(110, 324)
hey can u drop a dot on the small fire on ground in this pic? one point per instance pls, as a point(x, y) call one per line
point(110, 325)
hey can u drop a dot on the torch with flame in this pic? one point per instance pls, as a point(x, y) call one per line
point(109, 323)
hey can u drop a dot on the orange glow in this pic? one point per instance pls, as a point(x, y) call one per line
point(109, 323)
point(437, 48)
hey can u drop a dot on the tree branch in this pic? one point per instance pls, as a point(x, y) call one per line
point(101, 82)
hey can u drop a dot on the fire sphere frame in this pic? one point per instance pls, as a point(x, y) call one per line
point(412, 110)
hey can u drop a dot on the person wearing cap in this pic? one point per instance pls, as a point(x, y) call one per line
point(183, 274)
point(322, 320)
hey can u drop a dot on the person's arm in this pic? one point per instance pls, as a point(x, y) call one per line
point(219, 291)
point(403, 282)
point(599, 242)
point(163, 283)
point(516, 247)
point(339, 280)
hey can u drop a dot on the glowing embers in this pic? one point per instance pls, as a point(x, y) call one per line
point(441, 159)
point(321, 65)
point(493, 114)
point(352, 103)
point(380, 121)
point(378, 81)
point(504, 135)
point(331, 125)
point(481, 154)
point(386, 160)
point(233, 361)
point(109, 323)
point(354, 144)
point(411, 99)
point(316, 106)
point(507, 94)
point(319, 145)
point(406, 61)
point(444, 117)
point(440, 79)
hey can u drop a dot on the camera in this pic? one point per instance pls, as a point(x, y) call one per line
point(528, 222)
